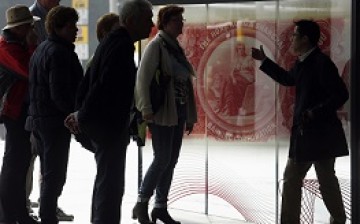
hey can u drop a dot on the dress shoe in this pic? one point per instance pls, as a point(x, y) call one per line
point(163, 215)
point(27, 220)
point(62, 216)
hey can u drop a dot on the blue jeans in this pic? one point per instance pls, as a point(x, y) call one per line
point(166, 141)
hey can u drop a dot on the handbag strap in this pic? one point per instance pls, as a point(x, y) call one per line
point(160, 55)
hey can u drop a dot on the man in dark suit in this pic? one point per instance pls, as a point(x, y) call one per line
point(317, 136)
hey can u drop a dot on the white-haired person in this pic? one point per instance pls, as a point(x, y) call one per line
point(103, 113)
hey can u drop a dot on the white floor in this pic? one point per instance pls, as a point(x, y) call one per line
point(249, 169)
point(76, 197)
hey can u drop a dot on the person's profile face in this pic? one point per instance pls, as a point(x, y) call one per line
point(296, 41)
point(68, 32)
point(175, 25)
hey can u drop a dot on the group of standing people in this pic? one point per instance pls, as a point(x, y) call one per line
point(106, 105)
point(52, 99)
point(23, 44)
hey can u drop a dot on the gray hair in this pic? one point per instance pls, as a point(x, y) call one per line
point(133, 8)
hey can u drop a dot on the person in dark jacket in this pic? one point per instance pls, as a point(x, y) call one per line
point(55, 74)
point(104, 110)
point(16, 47)
point(317, 136)
point(41, 8)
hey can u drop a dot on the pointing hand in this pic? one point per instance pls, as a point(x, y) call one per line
point(258, 54)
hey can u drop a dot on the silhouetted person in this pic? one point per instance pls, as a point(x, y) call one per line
point(104, 110)
point(317, 135)
point(16, 47)
point(55, 74)
point(41, 8)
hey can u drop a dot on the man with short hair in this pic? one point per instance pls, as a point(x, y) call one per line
point(317, 136)
point(55, 74)
point(104, 111)
point(41, 8)
point(16, 47)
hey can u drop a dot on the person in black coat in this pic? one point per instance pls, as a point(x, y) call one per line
point(317, 136)
point(55, 74)
point(104, 106)
point(40, 8)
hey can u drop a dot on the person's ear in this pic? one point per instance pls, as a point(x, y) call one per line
point(130, 22)
point(305, 38)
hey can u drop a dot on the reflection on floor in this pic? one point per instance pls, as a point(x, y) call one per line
point(243, 175)
point(185, 217)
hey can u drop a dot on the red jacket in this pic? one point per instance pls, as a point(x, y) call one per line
point(15, 56)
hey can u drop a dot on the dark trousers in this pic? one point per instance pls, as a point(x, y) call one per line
point(294, 175)
point(16, 162)
point(166, 141)
point(54, 146)
point(110, 156)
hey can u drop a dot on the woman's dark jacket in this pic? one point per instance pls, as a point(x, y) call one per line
point(320, 90)
point(55, 74)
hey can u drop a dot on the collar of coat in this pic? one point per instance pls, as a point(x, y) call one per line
point(306, 54)
point(58, 39)
point(174, 48)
